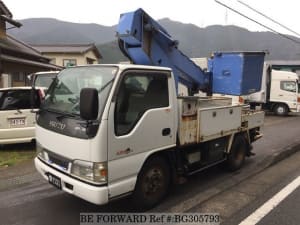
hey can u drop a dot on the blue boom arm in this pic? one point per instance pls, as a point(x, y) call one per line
point(146, 42)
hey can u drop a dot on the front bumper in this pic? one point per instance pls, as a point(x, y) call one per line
point(17, 135)
point(91, 193)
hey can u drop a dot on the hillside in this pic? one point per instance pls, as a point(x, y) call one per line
point(193, 41)
point(49, 31)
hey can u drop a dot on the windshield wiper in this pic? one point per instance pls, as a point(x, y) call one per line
point(61, 114)
point(64, 115)
point(73, 100)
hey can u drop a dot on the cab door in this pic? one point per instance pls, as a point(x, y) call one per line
point(141, 120)
point(288, 93)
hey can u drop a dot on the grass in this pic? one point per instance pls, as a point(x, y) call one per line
point(11, 155)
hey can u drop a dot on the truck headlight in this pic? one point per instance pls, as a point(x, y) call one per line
point(95, 172)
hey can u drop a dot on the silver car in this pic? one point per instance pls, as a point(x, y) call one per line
point(17, 121)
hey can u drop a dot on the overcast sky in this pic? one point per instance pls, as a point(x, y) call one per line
point(199, 12)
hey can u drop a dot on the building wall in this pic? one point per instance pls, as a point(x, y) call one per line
point(6, 80)
point(17, 74)
point(81, 59)
point(91, 55)
point(14, 72)
point(2, 29)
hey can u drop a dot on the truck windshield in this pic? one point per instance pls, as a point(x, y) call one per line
point(63, 94)
point(44, 80)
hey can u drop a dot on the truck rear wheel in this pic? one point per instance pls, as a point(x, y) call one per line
point(281, 110)
point(237, 155)
point(152, 183)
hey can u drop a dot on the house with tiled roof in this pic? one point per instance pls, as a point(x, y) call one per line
point(17, 59)
point(70, 54)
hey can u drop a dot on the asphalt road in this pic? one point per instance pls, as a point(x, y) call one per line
point(37, 202)
point(286, 212)
point(277, 196)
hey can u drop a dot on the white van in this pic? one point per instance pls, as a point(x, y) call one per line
point(17, 122)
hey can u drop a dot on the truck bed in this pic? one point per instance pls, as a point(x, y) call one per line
point(206, 118)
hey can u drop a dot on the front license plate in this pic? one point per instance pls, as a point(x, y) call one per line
point(17, 122)
point(54, 180)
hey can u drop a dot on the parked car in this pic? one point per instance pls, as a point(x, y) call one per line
point(17, 121)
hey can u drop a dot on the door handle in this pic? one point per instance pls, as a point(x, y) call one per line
point(166, 131)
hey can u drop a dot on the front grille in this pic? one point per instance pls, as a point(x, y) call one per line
point(58, 160)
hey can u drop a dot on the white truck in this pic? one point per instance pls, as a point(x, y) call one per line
point(107, 131)
point(138, 137)
point(279, 92)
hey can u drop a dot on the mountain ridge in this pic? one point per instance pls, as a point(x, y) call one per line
point(194, 41)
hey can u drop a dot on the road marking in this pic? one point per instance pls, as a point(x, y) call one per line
point(261, 212)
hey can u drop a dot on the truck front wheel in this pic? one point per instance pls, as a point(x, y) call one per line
point(152, 183)
point(281, 110)
point(237, 155)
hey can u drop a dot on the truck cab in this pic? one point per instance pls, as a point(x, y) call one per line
point(284, 92)
point(136, 116)
point(279, 92)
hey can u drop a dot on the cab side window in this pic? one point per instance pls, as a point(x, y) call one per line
point(288, 86)
point(139, 92)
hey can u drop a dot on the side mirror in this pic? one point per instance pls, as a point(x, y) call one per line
point(35, 98)
point(89, 103)
point(29, 77)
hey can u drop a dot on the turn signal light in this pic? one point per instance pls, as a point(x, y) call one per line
point(241, 100)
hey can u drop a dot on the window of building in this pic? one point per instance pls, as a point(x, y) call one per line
point(90, 60)
point(69, 62)
point(138, 93)
point(18, 77)
point(53, 60)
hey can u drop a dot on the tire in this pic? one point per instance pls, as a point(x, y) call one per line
point(281, 110)
point(237, 155)
point(152, 183)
